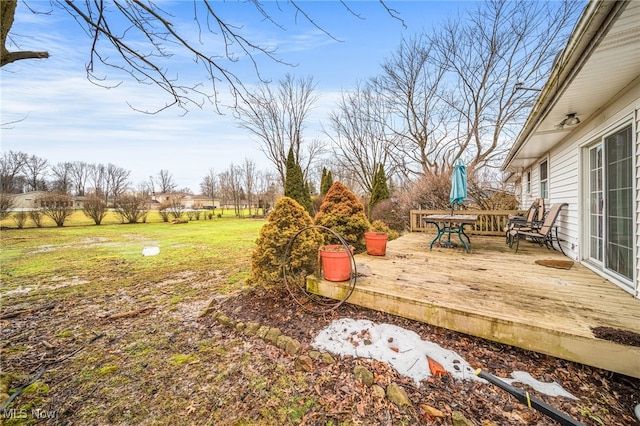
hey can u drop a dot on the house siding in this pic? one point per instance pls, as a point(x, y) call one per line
point(567, 167)
point(563, 188)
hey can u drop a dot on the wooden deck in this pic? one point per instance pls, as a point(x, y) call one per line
point(499, 295)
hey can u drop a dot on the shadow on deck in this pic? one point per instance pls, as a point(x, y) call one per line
point(497, 294)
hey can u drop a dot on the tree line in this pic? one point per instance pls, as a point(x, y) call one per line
point(445, 94)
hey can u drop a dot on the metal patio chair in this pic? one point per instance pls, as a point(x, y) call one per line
point(546, 235)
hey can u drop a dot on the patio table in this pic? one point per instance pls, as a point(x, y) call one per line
point(451, 224)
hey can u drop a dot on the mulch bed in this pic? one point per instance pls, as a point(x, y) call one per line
point(604, 397)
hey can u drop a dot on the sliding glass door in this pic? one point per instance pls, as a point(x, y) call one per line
point(610, 221)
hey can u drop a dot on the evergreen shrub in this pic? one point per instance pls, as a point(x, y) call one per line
point(286, 219)
point(344, 213)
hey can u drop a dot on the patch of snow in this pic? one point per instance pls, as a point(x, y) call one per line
point(150, 251)
point(405, 351)
point(551, 389)
point(402, 349)
point(19, 290)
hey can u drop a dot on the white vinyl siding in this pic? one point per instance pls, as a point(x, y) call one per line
point(564, 188)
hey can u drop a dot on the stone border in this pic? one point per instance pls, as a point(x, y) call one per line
point(305, 362)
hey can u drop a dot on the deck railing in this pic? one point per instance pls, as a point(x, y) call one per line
point(490, 222)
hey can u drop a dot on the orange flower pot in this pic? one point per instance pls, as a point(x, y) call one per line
point(376, 243)
point(336, 262)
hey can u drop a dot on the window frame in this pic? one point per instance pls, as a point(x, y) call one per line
point(543, 184)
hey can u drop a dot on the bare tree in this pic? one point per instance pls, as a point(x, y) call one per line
point(7, 202)
point(57, 206)
point(276, 117)
point(250, 177)
point(116, 181)
point(97, 180)
point(361, 141)
point(455, 88)
point(80, 174)
point(268, 190)
point(141, 38)
point(231, 187)
point(131, 207)
point(210, 186)
point(11, 167)
point(62, 177)
point(165, 182)
point(95, 208)
point(411, 82)
point(35, 170)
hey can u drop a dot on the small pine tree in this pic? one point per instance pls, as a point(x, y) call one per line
point(380, 190)
point(323, 180)
point(326, 182)
point(285, 220)
point(294, 185)
point(344, 213)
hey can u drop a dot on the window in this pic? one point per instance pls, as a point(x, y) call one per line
point(544, 179)
point(528, 182)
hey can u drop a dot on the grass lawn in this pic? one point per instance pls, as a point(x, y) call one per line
point(41, 258)
point(78, 282)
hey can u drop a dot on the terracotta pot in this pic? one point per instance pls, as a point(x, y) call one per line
point(336, 262)
point(376, 243)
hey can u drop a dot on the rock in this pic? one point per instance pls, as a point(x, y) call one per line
point(398, 395)
point(272, 335)
point(377, 391)
point(262, 331)
point(304, 363)
point(251, 328)
point(282, 341)
point(362, 374)
point(460, 420)
point(327, 358)
point(225, 320)
point(314, 355)
point(293, 347)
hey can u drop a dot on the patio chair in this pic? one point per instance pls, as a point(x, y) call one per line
point(547, 234)
point(531, 221)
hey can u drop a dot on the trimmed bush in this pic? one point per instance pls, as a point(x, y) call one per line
point(285, 220)
point(380, 226)
point(391, 213)
point(344, 213)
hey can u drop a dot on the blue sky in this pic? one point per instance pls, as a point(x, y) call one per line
point(64, 117)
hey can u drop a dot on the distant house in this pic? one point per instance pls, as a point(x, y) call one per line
point(28, 201)
point(580, 144)
point(187, 201)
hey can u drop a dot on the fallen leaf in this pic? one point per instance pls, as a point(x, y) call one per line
point(432, 411)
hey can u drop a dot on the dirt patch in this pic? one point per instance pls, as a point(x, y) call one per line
point(611, 334)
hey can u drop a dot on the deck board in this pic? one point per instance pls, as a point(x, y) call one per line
point(495, 293)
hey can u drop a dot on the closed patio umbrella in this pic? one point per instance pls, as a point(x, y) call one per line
point(458, 184)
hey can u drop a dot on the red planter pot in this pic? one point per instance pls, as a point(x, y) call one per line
point(376, 243)
point(336, 262)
